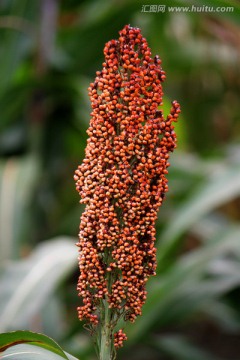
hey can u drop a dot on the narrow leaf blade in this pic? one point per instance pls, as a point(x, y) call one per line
point(9, 343)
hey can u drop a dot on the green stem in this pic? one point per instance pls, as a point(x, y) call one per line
point(106, 341)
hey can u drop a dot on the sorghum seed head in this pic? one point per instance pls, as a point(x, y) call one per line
point(122, 179)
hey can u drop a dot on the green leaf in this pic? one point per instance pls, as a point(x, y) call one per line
point(9, 345)
point(70, 357)
point(183, 289)
point(52, 317)
point(29, 352)
point(179, 348)
point(17, 181)
point(223, 314)
point(33, 352)
point(219, 189)
point(26, 285)
point(16, 41)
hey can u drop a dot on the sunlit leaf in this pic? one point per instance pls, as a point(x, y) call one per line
point(25, 285)
point(9, 344)
point(214, 192)
point(32, 352)
point(17, 181)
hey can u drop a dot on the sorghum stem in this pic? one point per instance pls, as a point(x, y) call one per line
point(105, 342)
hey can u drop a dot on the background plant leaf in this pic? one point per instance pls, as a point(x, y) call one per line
point(32, 352)
point(26, 285)
point(10, 344)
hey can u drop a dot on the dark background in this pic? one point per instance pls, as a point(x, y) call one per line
point(49, 53)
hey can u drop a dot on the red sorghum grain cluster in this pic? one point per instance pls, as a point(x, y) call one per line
point(119, 337)
point(122, 179)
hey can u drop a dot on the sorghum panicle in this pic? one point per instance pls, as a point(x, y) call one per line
point(122, 179)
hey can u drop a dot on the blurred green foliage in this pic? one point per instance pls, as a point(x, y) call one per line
point(49, 53)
